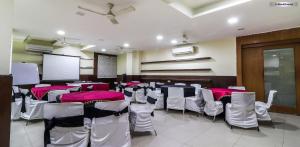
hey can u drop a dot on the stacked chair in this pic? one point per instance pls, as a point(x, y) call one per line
point(64, 125)
point(241, 111)
point(212, 107)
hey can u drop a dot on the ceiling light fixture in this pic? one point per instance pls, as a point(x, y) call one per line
point(126, 45)
point(233, 20)
point(159, 37)
point(88, 47)
point(103, 50)
point(61, 32)
point(174, 41)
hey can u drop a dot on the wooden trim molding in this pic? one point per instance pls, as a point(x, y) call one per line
point(162, 70)
point(5, 109)
point(177, 60)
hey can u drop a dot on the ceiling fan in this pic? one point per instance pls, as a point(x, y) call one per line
point(111, 15)
point(66, 41)
point(185, 41)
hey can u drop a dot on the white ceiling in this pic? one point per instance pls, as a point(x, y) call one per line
point(152, 17)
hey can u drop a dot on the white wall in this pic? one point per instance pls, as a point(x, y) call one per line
point(6, 26)
point(222, 52)
point(121, 64)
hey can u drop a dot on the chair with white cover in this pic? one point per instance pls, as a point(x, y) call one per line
point(237, 87)
point(152, 84)
point(212, 107)
point(53, 94)
point(262, 108)
point(16, 103)
point(183, 84)
point(141, 115)
point(33, 108)
point(64, 125)
point(111, 127)
point(241, 111)
point(129, 95)
point(140, 95)
point(176, 98)
point(42, 85)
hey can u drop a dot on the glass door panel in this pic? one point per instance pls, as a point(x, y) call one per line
point(279, 74)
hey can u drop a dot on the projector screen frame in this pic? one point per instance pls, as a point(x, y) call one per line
point(65, 80)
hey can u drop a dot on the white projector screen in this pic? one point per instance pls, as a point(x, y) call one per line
point(60, 67)
point(25, 73)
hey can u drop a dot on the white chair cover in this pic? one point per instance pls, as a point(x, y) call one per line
point(141, 115)
point(52, 95)
point(111, 131)
point(17, 105)
point(140, 96)
point(152, 84)
point(66, 136)
point(262, 108)
point(237, 87)
point(158, 96)
point(241, 111)
point(176, 98)
point(180, 84)
point(212, 107)
point(34, 109)
point(42, 85)
point(129, 94)
point(198, 88)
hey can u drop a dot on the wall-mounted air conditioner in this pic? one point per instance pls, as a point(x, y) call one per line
point(38, 48)
point(183, 50)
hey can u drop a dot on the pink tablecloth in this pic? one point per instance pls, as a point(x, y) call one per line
point(96, 86)
point(130, 84)
point(40, 92)
point(88, 96)
point(219, 93)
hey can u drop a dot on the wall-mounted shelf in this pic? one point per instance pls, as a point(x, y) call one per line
point(88, 67)
point(167, 70)
point(177, 60)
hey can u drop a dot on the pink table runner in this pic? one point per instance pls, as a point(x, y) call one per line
point(130, 84)
point(98, 86)
point(219, 93)
point(40, 92)
point(88, 96)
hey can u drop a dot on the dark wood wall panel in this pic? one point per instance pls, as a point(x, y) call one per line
point(252, 61)
point(276, 39)
point(5, 101)
point(205, 81)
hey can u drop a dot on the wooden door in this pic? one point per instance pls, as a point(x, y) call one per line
point(252, 69)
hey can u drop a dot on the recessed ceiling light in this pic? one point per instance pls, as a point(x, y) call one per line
point(103, 50)
point(126, 45)
point(174, 41)
point(61, 32)
point(274, 55)
point(88, 47)
point(159, 37)
point(233, 20)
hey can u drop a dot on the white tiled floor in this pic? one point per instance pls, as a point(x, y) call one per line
point(190, 130)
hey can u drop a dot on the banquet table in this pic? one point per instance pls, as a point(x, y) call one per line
point(188, 92)
point(220, 93)
point(132, 84)
point(224, 95)
point(40, 93)
point(92, 96)
point(95, 86)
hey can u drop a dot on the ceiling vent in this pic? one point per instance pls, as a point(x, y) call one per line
point(38, 48)
point(183, 50)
